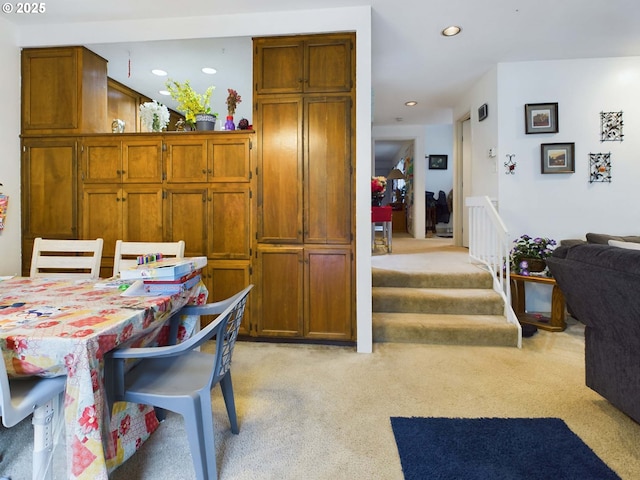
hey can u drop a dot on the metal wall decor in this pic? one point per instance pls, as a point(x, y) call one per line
point(600, 167)
point(611, 127)
point(510, 165)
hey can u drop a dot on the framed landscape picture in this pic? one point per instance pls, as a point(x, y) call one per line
point(541, 118)
point(437, 162)
point(558, 157)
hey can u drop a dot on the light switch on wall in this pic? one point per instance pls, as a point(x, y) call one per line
point(492, 152)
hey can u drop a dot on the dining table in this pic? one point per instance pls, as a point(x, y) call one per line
point(51, 327)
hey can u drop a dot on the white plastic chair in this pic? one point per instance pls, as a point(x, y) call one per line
point(127, 252)
point(41, 397)
point(180, 379)
point(66, 258)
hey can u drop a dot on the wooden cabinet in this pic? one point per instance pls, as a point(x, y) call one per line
point(304, 64)
point(305, 123)
point(64, 90)
point(49, 192)
point(226, 278)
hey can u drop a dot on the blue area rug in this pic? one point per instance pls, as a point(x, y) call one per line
point(495, 449)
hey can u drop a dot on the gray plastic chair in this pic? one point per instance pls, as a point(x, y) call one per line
point(41, 397)
point(180, 379)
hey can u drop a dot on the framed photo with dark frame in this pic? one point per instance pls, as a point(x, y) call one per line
point(558, 157)
point(541, 118)
point(437, 162)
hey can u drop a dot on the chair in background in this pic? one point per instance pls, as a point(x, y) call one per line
point(180, 379)
point(41, 397)
point(127, 252)
point(66, 258)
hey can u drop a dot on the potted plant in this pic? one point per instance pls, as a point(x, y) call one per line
point(195, 106)
point(154, 116)
point(378, 187)
point(528, 254)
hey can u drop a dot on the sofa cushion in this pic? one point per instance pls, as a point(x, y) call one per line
point(627, 245)
point(603, 238)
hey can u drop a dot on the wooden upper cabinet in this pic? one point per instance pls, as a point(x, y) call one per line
point(279, 170)
point(64, 90)
point(304, 64)
point(142, 160)
point(101, 160)
point(327, 167)
point(186, 159)
point(230, 159)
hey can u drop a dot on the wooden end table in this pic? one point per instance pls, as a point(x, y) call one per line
point(555, 323)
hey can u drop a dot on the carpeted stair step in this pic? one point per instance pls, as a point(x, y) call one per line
point(480, 330)
point(465, 301)
point(394, 278)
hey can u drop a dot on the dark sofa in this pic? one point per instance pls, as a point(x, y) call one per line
point(601, 283)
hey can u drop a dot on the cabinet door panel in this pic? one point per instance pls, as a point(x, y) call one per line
point(229, 159)
point(142, 161)
point(186, 219)
point(280, 171)
point(278, 66)
point(329, 296)
point(142, 213)
point(327, 169)
point(328, 65)
point(230, 214)
point(101, 161)
point(224, 279)
point(49, 189)
point(186, 160)
point(102, 215)
point(279, 291)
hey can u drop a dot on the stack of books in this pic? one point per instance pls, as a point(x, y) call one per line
point(166, 276)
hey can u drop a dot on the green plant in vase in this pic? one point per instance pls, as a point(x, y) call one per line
point(528, 254)
point(190, 103)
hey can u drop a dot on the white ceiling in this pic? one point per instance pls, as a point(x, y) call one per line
point(410, 59)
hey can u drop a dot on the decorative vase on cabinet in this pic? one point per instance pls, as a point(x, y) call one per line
point(229, 125)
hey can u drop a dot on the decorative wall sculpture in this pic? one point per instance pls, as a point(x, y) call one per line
point(611, 127)
point(599, 167)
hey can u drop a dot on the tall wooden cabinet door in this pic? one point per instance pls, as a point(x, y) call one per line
point(101, 160)
point(328, 63)
point(230, 159)
point(142, 160)
point(186, 218)
point(279, 173)
point(49, 189)
point(278, 65)
point(229, 235)
point(327, 166)
point(142, 213)
point(102, 215)
point(279, 292)
point(329, 294)
point(224, 279)
point(186, 159)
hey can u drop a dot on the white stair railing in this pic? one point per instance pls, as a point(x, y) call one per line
point(489, 244)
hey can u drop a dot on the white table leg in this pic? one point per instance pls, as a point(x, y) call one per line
point(47, 423)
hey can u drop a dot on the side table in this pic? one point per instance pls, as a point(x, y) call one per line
point(555, 323)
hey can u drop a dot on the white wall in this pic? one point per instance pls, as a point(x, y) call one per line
point(356, 19)
point(10, 152)
point(566, 205)
point(439, 141)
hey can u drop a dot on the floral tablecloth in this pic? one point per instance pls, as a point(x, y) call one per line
point(64, 327)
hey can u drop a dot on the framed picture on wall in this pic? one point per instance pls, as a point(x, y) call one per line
point(558, 157)
point(541, 118)
point(437, 162)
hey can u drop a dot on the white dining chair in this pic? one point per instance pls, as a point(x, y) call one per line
point(66, 258)
point(42, 397)
point(127, 252)
point(180, 379)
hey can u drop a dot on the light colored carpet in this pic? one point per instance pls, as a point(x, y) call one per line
point(322, 412)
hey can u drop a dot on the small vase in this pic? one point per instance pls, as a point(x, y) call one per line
point(155, 125)
point(533, 264)
point(229, 125)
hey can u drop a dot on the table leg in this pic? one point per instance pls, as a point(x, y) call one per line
point(557, 308)
point(47, 423)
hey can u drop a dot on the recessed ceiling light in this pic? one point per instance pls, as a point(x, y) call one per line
point(209, 70)
point(451, 31)
point(411, 103)
point(164, 92)
point(158, 72)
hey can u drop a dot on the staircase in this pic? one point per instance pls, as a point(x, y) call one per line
point(434, 307)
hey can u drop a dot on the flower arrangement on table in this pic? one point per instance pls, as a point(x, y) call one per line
point(378, 187)
point(190, 103)
point(232, 101)
point(154, 116)
point(528, 254)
